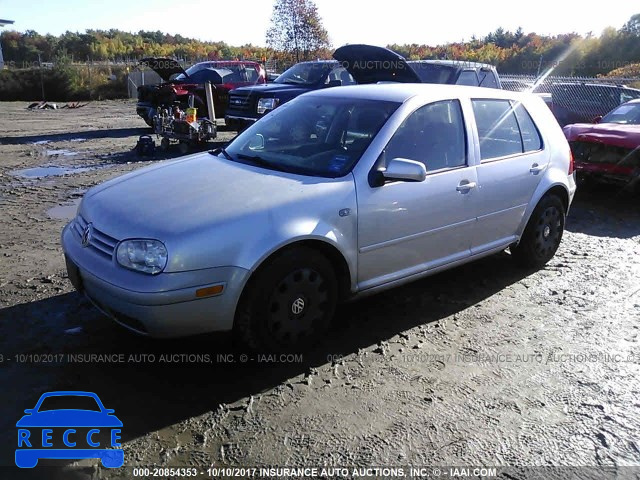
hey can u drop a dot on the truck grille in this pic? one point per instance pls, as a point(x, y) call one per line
point(100, 242)
point(240, 102)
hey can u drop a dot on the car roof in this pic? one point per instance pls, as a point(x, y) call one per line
point(70, 393)
point(317, 61)
point(401, 92)
point(586, 84)
point(454, 63)
point(229, 62)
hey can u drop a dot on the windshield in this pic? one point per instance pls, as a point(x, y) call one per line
point(316, 136)
point(218, 73)
point(628, 114)
point(69, 402)
point(309, 73)
point(434, 73)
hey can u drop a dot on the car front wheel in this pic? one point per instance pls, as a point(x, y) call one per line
point(289, 303)
point(542, 235)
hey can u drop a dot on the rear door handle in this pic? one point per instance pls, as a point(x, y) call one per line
point(536, 169)
point(465, 187)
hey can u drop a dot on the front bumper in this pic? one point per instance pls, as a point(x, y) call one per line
point(163, 305)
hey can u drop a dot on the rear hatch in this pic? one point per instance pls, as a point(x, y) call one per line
point(371, 64)
point(165, 67)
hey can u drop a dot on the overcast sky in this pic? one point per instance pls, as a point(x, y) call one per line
point(347, 21)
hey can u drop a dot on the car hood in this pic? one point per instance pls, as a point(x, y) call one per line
point(69, 418)
point(274, 88)
point(371, 64)
point(200, 197)
point(165, 67)
point(615, 134)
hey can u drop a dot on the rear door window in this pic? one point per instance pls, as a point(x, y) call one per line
point(497, 128)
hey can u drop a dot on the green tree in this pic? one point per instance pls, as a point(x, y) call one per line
point(296, 29)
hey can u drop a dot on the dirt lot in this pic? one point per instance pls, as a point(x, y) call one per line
point(483, 365)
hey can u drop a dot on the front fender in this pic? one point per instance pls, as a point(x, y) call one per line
point(340, 234)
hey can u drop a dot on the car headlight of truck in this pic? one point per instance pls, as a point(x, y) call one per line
point(266, 104)
point(146, 256)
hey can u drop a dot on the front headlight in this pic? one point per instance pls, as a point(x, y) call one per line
point(147, 256)
point(265, 104)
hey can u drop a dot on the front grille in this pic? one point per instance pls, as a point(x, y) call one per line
point(240, 102)
point(100, 242)
point(595, 152)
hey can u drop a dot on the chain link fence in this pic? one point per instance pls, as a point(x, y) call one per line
point(577, 99)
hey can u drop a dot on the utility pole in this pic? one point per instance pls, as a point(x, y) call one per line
point(41, 76)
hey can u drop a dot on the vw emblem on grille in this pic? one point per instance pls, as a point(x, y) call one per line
point(86, 235)
point(297, 306)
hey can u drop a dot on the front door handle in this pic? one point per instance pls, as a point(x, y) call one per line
point(536, 169)
point(465, 186)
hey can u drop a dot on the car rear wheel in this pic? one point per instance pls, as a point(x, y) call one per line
point(542, 234)
point(289, 303)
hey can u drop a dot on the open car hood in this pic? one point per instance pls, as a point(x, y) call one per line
point(371, 64)
point(165, 67)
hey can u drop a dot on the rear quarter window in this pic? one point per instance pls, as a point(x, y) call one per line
point(468, 77)
point(488, 79)
point(531, 139)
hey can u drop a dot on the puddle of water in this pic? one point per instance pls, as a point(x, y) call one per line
point(64, 212)
point(62, 152)
point(54, 171)
point(40, 172)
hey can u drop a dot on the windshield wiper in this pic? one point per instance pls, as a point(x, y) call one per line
point(258, 160)
point(222, 151)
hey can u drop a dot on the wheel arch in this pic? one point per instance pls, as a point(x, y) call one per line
point(558, 189)
point(331, 252)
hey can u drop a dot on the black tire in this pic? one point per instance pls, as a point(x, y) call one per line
point(165, 144)
point(542, 235)
point(267, 317)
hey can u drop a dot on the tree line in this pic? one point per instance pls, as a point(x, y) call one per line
point(511, 52)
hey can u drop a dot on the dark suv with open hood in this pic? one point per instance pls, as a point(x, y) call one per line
point(179, 84)
point(360, 64)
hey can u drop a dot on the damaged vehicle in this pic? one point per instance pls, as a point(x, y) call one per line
point(361, 64)
point(178, 84)
point(453, 174)
point(609, 150)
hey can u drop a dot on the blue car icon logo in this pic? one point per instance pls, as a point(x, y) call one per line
point(69, 425)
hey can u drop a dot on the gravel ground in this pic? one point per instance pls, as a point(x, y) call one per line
point(482, 365)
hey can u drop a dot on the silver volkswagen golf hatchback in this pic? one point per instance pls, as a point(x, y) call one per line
point(337, 194)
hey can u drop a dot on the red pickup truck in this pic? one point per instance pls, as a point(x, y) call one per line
point(179, 84)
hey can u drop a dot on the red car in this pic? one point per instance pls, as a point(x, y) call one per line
point(608, 150)
point(178, 84)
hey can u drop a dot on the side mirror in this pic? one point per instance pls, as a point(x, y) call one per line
point(405, 170)
point(29, 411)
point(109, 411)
point(597, 119)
